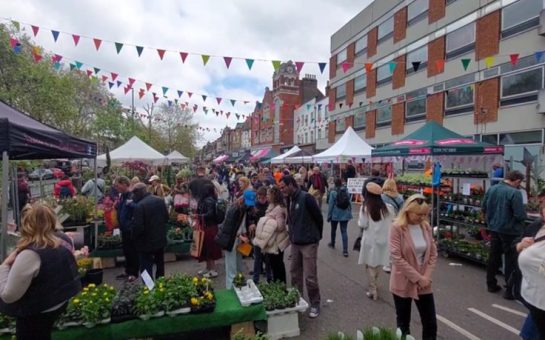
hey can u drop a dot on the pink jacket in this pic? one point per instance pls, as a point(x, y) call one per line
point(405, 269)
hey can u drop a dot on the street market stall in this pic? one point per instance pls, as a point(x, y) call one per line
point(220, 159)
point(176, 158)
point(300, 157)
point(264, 155)
point(349, 147)
point(23, 137)
point(134, 150)
point(456, 193)
point(281, 159)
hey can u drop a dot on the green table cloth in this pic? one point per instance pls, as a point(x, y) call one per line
point(228, 312)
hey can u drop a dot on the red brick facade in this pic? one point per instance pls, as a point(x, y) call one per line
point(372, 83)
point(350, 92)
point(487, 97)
point(436, 51)
point(332, 94)
point(349, 121)
point(436, 107)
point(400, 24)
point(370, 123)
point(398, 118)
point(372, 41)
point(398, 77)
point(436, 10)
point(351, 54)
point(487, 42)
point(332, 67)
point(331, 132)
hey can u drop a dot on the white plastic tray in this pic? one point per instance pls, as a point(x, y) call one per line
point(249, 294)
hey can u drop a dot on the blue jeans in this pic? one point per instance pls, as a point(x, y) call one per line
point(233, 265)
point(259, 259)
point(344, 235)
point(529, 329)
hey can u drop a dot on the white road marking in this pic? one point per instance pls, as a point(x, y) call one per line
point(514, 311)
point(457, 328)
point(495, 321)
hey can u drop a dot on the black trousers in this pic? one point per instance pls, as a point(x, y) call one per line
point(38, 326)
point(539, 319)
point(426, 308)
point(148, 259)
point(278, 267)
point(500, 244)
point(130, 253)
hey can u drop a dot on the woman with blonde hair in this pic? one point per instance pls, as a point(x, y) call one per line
point(390, 195)
point(413, 254)
point(39, 277)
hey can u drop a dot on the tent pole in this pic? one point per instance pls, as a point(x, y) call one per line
point(5, 185)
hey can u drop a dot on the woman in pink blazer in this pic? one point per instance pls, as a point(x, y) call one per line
point(413, 254)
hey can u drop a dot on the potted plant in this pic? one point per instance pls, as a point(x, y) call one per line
point(179, 290)
point(204, 301)
point(109, 241)
point(79, 209)
point(7, 324)
point(239, 281)
point(147, 304)
point(176, 235)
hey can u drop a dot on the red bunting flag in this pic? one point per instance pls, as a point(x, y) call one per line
point(97, 42)
point(183, 55)
point(514, 58)
point(148, 86)
point(37, 57)
point(76, 39)
point(189, 94)
point(368, 67)
point(114, 76)
point(127, 89)
point(89, 73)
point(218, 99)
point(104, 78)
point(155, 98)
point(227, 114)
point(35, 29)
point(141, 93)
point(161, 53)
point(299, 66)
point(131, 81)
point(13, 42)
point(346, 66)
point(227, 61)
point(56, 58)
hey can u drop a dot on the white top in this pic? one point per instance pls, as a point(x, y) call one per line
point(374, 249)
point(532, 265)
point(419, 241)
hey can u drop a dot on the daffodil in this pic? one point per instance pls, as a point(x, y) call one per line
point(195, 280)
point(76, 301)
point(146, 292)
point(204, 280)
point(85, 289)
point(92, 285)
point(194, 301)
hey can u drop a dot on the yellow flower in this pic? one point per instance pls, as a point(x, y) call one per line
point(146, 292)
point(209, 296)
point(107, 300)
point(84, 293)
point(160, 285)
point(105, 294)
point(91, 285)
point(85, 289)
point(194, 301)
point(195, 280)
point(204, 280)
point(161, 289)
point(76, 301)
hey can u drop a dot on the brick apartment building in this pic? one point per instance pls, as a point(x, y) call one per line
point(429, 42)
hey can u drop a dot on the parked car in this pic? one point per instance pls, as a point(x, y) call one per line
point(41, 173)
point(57, 173)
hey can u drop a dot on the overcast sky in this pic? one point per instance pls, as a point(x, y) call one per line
point(299, 30)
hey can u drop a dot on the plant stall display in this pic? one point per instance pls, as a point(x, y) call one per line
point(124, 302)
point(282, 306)
point(109, 241)
point(7, 324)
point(90, 307)
point(149, 303)
point(466, 173)
point(205, 301)
point(180, 234)
point(179, 291)
point(372, 333)
point(80, 210)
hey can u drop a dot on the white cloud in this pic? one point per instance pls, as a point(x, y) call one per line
point(283, 29)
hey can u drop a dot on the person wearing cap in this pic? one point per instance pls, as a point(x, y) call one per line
point(375, 220)
point(157, 188)
point(414, 255)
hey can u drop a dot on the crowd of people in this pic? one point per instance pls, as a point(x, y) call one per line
point(263, 213)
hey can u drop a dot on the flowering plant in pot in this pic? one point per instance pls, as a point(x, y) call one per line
point(96, 304)
point(204, 301)
point(148, 303)
point(179, 290)
point(239, 281)
point(277, 296)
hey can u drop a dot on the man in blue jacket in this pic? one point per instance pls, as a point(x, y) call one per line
point(305, 225)
point(505, 215)
point(125, 208)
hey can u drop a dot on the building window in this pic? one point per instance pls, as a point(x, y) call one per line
point(520, 16)
point(386, 30)
point(419, 55)
point(384, 115)
point(417, 11)
point(451, 1)
point(340, 92)
point(415, 105)
point(340, 126)
point(461, 41)
point(341, 57)
point(462, 80)
point(384, 75)
point(459, 100)
point(320, 133)
point(361, 46)
point(490, 139)
point(521, 87)
point(360, 83)
point(526, 137)
point(359, 120)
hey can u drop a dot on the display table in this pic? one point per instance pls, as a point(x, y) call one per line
point(228, 312)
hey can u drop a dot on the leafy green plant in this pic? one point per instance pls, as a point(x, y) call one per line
point(277, 296)
point(179, 290)
point(109, 242)
point(123, 303)
point(7, 322)
point(239, 280)
point(79, 208)
point(147, 303)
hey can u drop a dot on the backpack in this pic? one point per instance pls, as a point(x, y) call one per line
point(221, 210)
point(343, 200)
point(65, 192)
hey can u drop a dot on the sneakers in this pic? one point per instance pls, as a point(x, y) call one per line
point(314, 312)
point(210, 274)
point(331, 245)
point(387, 269)
point(345, 253)
point(372, 296)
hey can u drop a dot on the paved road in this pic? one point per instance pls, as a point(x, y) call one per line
point(464, 308)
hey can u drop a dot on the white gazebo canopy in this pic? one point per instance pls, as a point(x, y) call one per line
point(176, 157)
point(134, 150)
point(349, 147)
point(281, 159)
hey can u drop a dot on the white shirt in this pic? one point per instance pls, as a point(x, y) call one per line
point(419, 241)
point(532, 265)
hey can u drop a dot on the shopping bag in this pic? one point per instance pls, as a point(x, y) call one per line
point(198, 241)
point(244, 248)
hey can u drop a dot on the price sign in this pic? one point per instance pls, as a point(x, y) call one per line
point(355, 185)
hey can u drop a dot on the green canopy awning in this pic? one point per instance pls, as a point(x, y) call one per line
point(434, 139)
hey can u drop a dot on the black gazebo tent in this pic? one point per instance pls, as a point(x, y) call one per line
point(23, 137)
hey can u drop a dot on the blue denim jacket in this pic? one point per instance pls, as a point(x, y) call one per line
point(333, 212)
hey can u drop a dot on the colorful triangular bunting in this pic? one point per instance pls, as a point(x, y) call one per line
point(440, 65)
point(465, 63)
point(139, 50)
point(233, 102)
point(416, 65)
point(97, 42)
point(539, 55)
point(227, 61)
point(165, 90)
point(55, 35)
point(299, 66)
point(161, 53)
point(110, 84)
point(118, 47)
point(322, 67)
point(392, 66)
point(76, 39)
point(489, 61)
point(180, 93)
point(79, 64)
point(183, 55)
point(345, 66)
point(96, 69)
point(203, 97)
point(514, 58)
point(250, 63)
point(276, 64)
point(205, 59)
point(35, 29)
